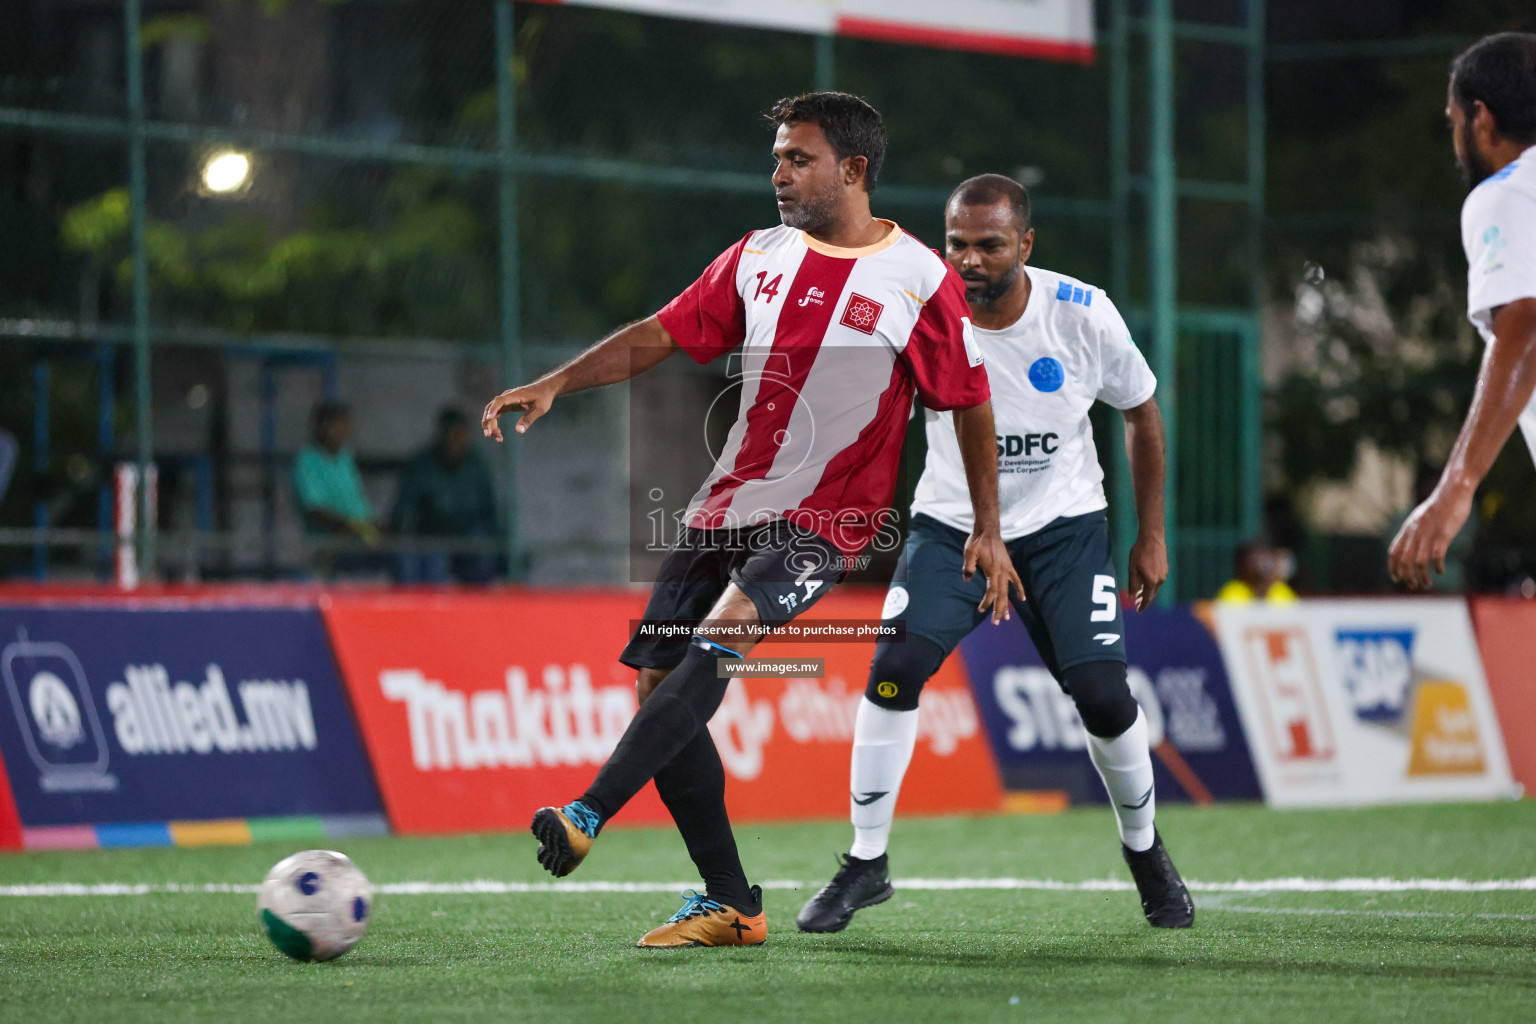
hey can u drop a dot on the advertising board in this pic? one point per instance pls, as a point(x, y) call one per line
point(1176, 674)
point(1505, 626)
point(479, 709)
point(1364, 702)
point(138, 715)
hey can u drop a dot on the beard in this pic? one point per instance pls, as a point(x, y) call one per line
point(811, 212)
point(1474, 167)
point(994, 290)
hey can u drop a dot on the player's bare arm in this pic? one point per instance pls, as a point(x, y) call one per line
point(985, 549)
point(1504, 388)
point(625, 353)
point(1146, 449)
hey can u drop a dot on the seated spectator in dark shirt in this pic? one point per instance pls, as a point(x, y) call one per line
point(446, 492)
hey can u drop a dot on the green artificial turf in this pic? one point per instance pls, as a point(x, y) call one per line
point(1017, 955)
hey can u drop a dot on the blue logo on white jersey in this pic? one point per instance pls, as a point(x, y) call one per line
point(1068, 292)
point(1047, 374)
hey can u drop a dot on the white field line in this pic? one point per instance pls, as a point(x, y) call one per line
point(495, 888)
point(1231, 908)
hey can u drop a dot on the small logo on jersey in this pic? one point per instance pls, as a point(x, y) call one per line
point(895, 602)
point(968, 335)
point(1068, 292)
point(1047, 374)
point(886, 689)
point(861, 314)
point(815, 295)
point(1106, 638)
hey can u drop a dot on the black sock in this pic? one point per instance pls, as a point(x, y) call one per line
point(692, 786)
point(680, 707)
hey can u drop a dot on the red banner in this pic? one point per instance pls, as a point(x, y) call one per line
point(10, 823)
point(1504, 630)
point(477, 709)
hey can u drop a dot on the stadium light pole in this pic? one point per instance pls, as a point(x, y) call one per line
point(138, 190)
point(1162, 251)
point(510, 267)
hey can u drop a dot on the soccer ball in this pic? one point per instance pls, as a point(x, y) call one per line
point(315, 905)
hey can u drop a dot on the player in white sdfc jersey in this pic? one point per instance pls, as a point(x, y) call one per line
point(1053, 346)
point(1492, 110)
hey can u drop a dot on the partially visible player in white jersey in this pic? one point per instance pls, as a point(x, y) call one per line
point(1492, 110)
point(1053, 346)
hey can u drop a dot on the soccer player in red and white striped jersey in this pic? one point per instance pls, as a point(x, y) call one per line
point(840, 318)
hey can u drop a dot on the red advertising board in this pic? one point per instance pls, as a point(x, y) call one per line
point(477, 709)
point(10, 824)
point(1504, 627)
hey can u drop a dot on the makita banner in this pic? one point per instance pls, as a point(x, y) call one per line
point(477, 709)
point(138, 714)
point(1364, 702)
point(1177, 676)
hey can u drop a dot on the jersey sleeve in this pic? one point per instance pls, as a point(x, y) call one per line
point(709, 317)
point(942, 352)
point(1498, 231)
point(1125, 379)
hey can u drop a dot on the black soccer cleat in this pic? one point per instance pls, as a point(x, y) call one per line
point(857, 884)
point(1164, 898)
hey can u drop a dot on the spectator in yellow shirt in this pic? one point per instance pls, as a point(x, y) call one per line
point(1260, 574)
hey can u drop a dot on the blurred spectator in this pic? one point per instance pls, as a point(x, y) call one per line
point(446, 492)
point(1260, 574)
point(8, 450)
point(326, 485)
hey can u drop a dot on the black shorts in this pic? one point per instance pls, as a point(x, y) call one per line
point(1072, 606)
point(783, 568)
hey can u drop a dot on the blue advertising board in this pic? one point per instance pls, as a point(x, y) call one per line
point(1176, 673)
point(122, 715)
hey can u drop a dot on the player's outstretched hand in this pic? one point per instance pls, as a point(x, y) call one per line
point(1148, 570)
point(1425, 537)
point(988, 553)
point(533, 400)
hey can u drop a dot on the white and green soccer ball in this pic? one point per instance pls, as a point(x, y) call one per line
point(315, 905)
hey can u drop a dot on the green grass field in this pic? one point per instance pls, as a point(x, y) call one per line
point(927, 955)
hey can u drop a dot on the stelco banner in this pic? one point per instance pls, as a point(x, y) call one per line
point(1175, 673)
point(479, 709)
point(113, 715)
point(1364, 702)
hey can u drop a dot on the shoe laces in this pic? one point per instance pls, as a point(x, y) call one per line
point(847, 870)
point(583, 817)
point(695, 904)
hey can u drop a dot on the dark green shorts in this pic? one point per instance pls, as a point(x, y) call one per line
point(1071, 607)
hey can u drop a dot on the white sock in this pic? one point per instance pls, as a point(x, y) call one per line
point(1125, 765)
point(882, 748)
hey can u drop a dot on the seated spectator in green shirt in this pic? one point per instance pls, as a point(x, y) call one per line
point(326, 485)
point(446, 492)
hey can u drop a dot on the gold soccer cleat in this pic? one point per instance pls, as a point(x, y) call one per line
point(706, 922)
point(563, 844)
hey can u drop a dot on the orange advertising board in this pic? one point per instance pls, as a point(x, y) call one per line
point(476, 709)
point(1504, 627)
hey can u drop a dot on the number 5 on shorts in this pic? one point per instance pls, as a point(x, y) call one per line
point(1104, 596)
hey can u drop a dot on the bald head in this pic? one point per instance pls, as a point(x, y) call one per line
point(990, 190)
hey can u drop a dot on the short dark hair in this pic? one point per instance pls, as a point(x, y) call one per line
point(990, 189)
point(1500, 70)
point(851, 125)
point(325, 413)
